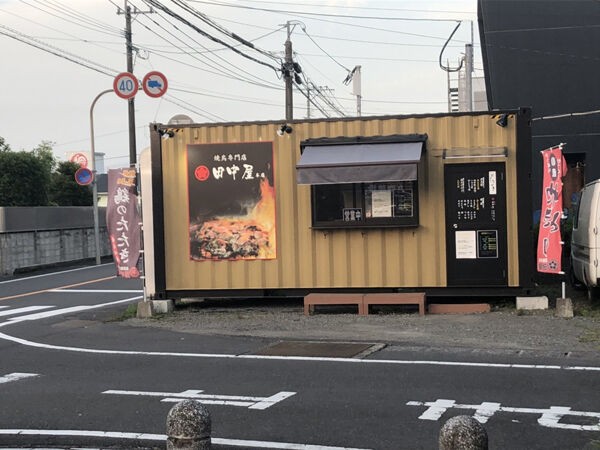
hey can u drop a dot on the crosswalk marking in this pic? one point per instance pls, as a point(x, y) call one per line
point(16, 376)
point(12, 312)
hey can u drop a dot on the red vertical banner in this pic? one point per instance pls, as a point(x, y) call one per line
point(549, 248)
point(122, 220)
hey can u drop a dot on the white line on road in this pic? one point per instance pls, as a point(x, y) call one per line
point(162, 437)
point(53, 273)
point(211, 399)
point(12, 312)
point(16, 376)
point(258, 357)
point(99, 291)
point(59, 312)
point(550, 417)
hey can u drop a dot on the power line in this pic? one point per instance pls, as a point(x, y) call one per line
point(215, 65)
point(170, 12)
point(345, 16)
point(57, 52)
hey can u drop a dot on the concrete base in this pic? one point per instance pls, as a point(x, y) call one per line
point(152, 307)
point(463, 308)
point(564, 308)
point(532, 303)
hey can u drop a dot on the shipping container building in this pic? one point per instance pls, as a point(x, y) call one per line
point(438, 203)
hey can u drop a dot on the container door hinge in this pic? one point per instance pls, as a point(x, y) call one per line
point(595, 263)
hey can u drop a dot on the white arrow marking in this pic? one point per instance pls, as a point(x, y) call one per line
point(226, 400)
point(16, 376)
point(12, 312)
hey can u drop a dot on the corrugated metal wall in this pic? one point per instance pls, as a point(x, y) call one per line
point(306, 258)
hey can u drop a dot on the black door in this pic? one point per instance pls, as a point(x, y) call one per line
point(476, 248)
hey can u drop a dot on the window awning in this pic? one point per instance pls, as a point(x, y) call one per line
point(359, 163)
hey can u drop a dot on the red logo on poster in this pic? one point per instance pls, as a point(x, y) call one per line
point(201, 173)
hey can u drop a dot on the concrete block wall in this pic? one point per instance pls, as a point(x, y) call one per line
point(37, 248)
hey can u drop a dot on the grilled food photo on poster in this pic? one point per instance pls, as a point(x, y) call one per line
point(231, 199)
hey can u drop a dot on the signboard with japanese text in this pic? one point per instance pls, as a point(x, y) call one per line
point(476, 230)
point(549, 248)
point(231, 201)
point(122, 221)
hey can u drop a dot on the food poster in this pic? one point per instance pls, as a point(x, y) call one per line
point(231, 201)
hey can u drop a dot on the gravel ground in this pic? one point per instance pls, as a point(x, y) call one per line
point(502, 329)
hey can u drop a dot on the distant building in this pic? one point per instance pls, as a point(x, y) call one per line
point(545, 54)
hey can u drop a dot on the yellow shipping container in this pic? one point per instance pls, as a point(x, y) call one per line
point(435, 202)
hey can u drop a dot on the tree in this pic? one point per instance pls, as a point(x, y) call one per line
point(64, 190)
point(4, 147)
point(23, 180)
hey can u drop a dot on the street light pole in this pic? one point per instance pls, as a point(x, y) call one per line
point(94, 183)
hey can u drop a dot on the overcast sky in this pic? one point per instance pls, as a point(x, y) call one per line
point(60, 54)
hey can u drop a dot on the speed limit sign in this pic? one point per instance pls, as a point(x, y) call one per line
point(126, 85)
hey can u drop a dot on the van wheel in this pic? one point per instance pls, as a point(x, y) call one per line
point(574, 282)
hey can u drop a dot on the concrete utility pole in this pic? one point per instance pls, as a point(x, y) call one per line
point(469, 73)
point(357, 89)
point(131, 103)
point(288, 74)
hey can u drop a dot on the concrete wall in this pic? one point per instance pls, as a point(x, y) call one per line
point(41, 240)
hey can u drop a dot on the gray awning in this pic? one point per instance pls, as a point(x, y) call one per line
point(359, 163)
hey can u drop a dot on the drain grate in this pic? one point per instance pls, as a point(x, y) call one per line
point(319, 349)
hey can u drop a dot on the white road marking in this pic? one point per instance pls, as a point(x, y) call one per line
point(15, 376)
point(162, 437)
point(550, 417)
point(53, 273)
point(224, 400)
point(12, 312)
point(59, 312)
point(99, 291)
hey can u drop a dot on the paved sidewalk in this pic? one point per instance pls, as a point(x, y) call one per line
point(502, 329)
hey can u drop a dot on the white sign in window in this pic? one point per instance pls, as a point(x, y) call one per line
point(381, 203)
point(466, 244)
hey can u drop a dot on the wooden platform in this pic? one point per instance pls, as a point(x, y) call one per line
point(395, 298)
point(363, 301)
point(332, 299)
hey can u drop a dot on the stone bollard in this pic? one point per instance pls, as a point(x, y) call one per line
point(463, 433)
point(188, 426)
point(564, 308)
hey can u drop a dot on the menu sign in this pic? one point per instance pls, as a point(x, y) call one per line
point(476, 199)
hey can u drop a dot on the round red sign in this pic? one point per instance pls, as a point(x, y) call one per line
point(126, 85)
point(201, 173)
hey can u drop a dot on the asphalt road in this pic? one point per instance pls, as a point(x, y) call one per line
point(71, 376)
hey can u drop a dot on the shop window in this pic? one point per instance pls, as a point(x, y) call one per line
point(389, 204)
point(363, 181)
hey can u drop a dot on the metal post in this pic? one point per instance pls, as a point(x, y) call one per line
point(94, 183)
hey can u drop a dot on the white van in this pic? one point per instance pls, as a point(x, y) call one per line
point(585, 242)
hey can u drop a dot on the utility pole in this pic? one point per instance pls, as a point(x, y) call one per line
point(357, 89)
point(469, 73)
point(288, 73)
point(308, 102)
point(130, 103)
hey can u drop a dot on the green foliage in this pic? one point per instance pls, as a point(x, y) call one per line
point(35, 179)
point(24, 179)
point(4, 147)
point(64, 190)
